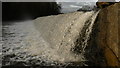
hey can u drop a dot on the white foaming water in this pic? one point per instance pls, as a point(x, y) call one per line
point(49, 39)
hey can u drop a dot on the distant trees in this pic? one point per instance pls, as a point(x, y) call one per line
point(23, 10)
point(85, 8)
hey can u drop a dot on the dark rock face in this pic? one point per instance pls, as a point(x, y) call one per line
point(28, 10)
point(107, 34)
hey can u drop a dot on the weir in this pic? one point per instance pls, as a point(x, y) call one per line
point(51, 40)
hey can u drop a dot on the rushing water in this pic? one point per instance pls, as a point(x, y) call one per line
point(48, 40)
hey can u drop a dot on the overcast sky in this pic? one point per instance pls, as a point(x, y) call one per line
point(49, 0)
point(81, 0)
point(76, 0)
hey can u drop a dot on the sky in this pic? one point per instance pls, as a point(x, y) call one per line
point(80, 0)
point(50, 0)
point(76, 0)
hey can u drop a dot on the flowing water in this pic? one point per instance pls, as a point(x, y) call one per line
point(48, 40)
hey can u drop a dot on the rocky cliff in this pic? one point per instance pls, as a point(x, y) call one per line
point(107, 33)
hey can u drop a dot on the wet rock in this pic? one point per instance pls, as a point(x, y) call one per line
point(107, 33)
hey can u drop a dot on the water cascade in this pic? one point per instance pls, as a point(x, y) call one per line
point(52, 40)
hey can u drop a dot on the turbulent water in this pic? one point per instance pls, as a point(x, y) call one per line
point(47, 40)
